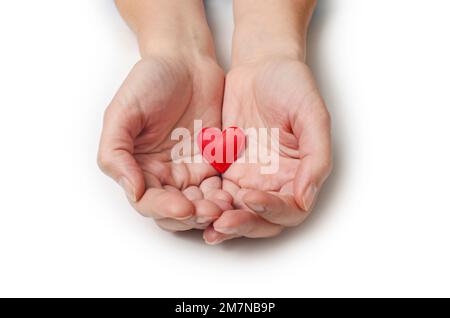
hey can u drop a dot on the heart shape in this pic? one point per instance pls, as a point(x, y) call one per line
point(221, 148)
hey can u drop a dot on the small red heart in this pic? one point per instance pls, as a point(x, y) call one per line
point(221, 148)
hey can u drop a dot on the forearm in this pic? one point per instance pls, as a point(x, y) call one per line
point(168, 26)
point(270, 27)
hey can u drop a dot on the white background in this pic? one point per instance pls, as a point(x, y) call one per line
point(381, 228)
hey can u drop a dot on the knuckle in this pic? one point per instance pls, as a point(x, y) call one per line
point(104, 162)
point(107, 112)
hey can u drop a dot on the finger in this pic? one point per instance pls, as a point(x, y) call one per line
point(230, 187)
point(212, 190)
point(245, 223)
point(312, 129)
point(212, 237)
point(211, 184)
point(166, 187)
point(236, 192)
point(221, 198)
point(193, 193)
point(172, 225)
point(206, 211)
point(209, 205)
point(160, 203)
point(115, 157)
point(276, 208)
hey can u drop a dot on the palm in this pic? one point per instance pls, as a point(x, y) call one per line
point(170, 99)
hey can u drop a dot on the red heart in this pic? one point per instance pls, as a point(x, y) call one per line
point(219, 150)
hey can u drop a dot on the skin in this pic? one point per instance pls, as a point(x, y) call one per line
point(272, 87)
point(176, 81)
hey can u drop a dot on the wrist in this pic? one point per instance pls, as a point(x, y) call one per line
point(250, 46)
point(271, 28)
point(176, 37)
point(169, 27)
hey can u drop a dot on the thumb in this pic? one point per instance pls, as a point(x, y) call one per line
point(312, 130)
point(115, 156)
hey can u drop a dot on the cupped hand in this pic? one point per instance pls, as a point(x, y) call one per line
point(274, 93)
point(159, 95)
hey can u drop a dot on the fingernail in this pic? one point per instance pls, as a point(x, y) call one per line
point(213, 242)
point(227, 230)
point(128, 188)
point(256, 207)
point(204, 219)
point(309, 196)
point(182, 218)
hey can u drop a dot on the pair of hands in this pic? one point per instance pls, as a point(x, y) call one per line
point(167, 91)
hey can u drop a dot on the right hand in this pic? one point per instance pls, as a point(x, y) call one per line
point(281, 93)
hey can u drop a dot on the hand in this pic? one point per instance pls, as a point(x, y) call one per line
point(270, 86)
point(274, 93)
point(159, 95)
point(164, 91)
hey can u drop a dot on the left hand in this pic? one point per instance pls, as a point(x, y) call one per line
point(176, 82)
point(275, 92)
